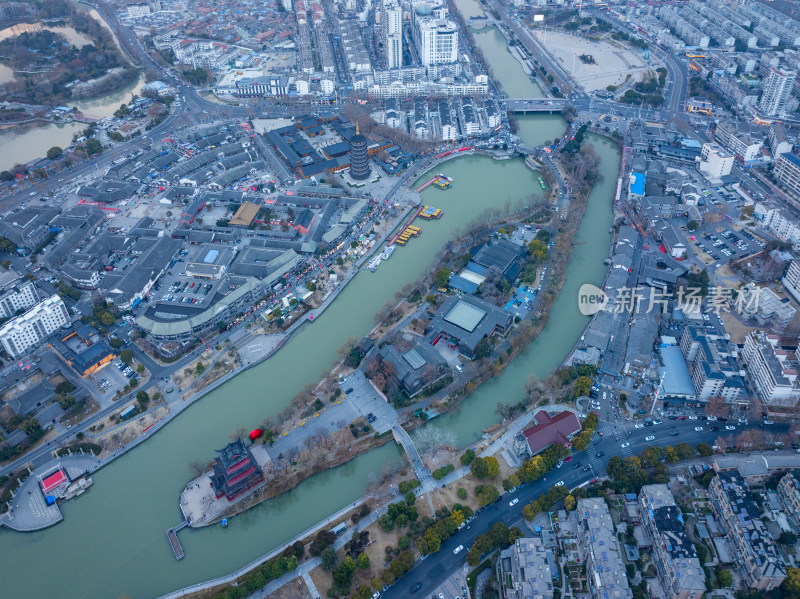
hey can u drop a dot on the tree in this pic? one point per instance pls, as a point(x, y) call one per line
point(462, 493)
point(479, 468)
point(725, 578)
point(126, 355)
point(363, 559)
point(200, 368)
point(791, 584)
point(328, 556)
point(788, 538)
point(487, 495)
point(582, 386)
point(143, 398)
point(323, 539)
point(581, 441)
point(670, 456)
point(704, 449)
point(55, 153)
point(442, 277)
point(467, 457)
point(93, 147)
point(692, 225)
point(492, 467)
point(115, 343)
point(569, 503)
point(482, 349)
point(717, 407)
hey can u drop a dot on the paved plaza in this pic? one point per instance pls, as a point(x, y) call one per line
point(29, 510)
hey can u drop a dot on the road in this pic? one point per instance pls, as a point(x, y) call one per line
point(435, 569)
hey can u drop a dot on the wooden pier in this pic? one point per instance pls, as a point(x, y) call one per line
point(172, 535)
point(407, 224)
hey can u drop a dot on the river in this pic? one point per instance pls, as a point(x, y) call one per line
point(112, 540)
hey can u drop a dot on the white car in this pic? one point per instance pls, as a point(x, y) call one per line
point(560, 483)
point(513, 502)
point(692, 417)
point(649, 438)
point(698, 428)
point(624, 445)
point(730, 428)
point(638, 425)
point(458, 549)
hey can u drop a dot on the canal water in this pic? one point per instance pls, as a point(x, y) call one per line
point(112, 540)
point(19, 147)
point(565, 323)
point(505, 68)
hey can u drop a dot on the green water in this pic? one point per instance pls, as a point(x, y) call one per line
point(112, 541)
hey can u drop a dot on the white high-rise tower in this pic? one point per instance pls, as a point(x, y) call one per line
point(777, 91)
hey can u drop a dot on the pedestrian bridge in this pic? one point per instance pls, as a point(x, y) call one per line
point(535, 104)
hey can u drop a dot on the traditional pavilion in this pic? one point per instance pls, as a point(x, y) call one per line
point(235, 471)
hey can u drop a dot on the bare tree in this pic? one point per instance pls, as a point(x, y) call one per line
point(717, 407)
point(429, 439)
point(238, 433)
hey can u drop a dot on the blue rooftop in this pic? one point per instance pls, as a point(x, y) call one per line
point(637, 184)
point(792, 158)
point(676, 379)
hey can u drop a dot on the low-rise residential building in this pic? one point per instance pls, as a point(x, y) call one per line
point(787, 172)
point(21, 334)
point(778, 141)
point(698, 105)
point(674, 555)
point(778, 221)
point(600, 551)
point(715, 162)
point(19, 295)
point(523, 570)
point(789, 496)
point(711, 365)
point(740, 144)
point(757, 561)
point(771, 375)
point(791, 280)
point(768, 308)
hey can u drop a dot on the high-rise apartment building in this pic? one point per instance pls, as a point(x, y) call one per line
point(392, 33)
point(777, 91)
point(435, 36)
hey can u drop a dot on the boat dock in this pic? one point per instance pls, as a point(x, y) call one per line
point(172, 535)
point(405, 226)
point(441, 181)
point(429, 212)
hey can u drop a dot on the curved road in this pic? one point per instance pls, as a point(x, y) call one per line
point(435, 569)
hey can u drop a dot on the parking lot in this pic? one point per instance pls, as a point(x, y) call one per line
point(724, 246)
point(380, 415)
